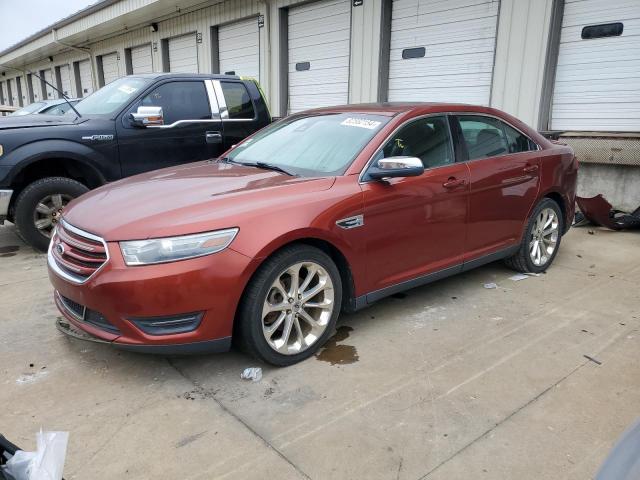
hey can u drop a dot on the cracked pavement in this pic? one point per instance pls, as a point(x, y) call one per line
point(450, 381)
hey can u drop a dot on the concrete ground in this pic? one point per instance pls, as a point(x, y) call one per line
point(450, 381)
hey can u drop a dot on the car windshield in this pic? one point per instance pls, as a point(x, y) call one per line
point(112, 97)
point(312, 145)
point(29, 109)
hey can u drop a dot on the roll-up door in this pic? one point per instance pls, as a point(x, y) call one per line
point(239, 48)
point(442, 51)
point(86, 85)
point(319, 39)
point(65, 80)
point(36, 88)
point(183, 54)
point(110, 68)
point(48, 76)
point(141, 59)
point(3, 94)
point(597, 84)
point(15, 101)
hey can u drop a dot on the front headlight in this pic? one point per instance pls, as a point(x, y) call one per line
point(171, 249)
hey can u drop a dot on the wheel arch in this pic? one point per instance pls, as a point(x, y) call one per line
point(560, 200)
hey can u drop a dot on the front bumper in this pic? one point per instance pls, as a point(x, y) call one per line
point(5, 200)
point(118, 293)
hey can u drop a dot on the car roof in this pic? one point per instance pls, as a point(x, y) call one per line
point(185, 75)
point(391, 109)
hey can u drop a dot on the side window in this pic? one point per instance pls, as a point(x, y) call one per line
point(483, 136)
point(516, 141)
point(427, 138)
point(238, 101)
point(180, 101)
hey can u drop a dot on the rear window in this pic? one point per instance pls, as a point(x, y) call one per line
point(239, 104)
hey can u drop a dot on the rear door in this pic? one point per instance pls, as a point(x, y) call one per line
point(191, 130)
point(416, 226)
point(504, 166)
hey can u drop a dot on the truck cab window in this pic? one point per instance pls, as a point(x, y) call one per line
point(179, 101)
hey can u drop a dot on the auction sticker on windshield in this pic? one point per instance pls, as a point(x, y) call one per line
point(360, 122)
point(127, 89)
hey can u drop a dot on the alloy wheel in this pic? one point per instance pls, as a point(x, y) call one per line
point(298, 307)
point(48, 212)
point(544, 237)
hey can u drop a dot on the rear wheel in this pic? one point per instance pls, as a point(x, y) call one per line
point(541, 240)
point(40, 205)
point(291, 306)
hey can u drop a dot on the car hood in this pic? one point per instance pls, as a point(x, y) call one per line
point(35, 120)
point(193, 198)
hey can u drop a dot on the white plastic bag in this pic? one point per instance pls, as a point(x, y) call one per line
point(252, 373)
point(46, 463)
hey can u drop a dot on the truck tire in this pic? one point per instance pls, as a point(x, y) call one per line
point(39, 206)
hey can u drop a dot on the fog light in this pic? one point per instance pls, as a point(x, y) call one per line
point(187, 322)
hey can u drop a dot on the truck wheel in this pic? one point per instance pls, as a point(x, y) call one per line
point(40, 205)
point(290, 307)
point(541, 240)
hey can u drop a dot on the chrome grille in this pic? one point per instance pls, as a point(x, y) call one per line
point(76, 254)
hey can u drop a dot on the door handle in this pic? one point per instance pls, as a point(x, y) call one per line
point(453, 182)
point(530, 169)
point(213, 137)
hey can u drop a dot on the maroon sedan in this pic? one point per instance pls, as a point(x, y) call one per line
point(324, 211)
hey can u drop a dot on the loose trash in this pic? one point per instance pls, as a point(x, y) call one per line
point(600, 212)
point(46, 463)
point(253, 373)
point(518, 276)
point(490, 285)
point(598, 362)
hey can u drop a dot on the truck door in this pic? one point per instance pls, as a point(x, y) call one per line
point(192, 130)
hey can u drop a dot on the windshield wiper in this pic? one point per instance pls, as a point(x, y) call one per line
point(267, 166)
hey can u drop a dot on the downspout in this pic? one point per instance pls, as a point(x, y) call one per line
point(268, 61)
point(86, 51)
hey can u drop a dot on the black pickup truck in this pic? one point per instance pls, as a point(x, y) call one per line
point(134, 124)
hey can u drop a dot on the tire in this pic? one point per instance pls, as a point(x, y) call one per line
point(525, 259)
point(252, 326)
point(26, 211)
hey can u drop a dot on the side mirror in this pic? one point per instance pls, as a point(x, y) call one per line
point(393, 167)
point(147, 116)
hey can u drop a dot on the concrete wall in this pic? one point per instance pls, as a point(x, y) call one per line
point(619, 184)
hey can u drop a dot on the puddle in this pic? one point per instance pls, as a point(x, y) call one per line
point(9, 249)
point(339, 354)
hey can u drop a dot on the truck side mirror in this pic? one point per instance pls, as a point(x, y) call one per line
point(147, 117)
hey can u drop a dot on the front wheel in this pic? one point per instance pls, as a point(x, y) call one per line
point(291, 306)
point(40, 205)
point(541, 240)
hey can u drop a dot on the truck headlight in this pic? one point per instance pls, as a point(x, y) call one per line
point(171, 249)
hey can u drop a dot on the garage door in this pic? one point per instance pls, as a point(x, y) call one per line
point(183, 54)
point(442, 51)
point(65, 80)
point(597, 85)
point(4, 100)
point(319, 38)
point(110, 68)
point(86, 84)
point(239, 48)
point(48, 76)
point(15, 101)
point(141, 59)
point(35, 88)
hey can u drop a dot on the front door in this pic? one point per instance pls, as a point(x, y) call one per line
point(417, 225)
point(189, 133)
point(504, 167)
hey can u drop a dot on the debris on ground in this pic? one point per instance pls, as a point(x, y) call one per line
point(597, 362)
point(252, 373)
point(599, 211)
point(490, 285)
point(46, 463)
point(518, 276)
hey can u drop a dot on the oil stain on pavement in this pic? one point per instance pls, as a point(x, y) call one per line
point(339, 354)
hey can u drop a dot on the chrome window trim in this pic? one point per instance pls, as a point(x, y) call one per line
point(402, 125)
point(213, 102)
point(69, 276)
point(177, 123)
